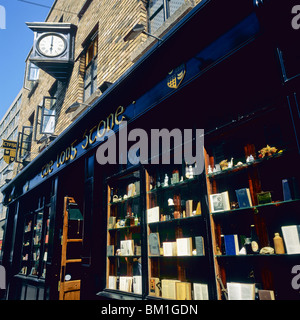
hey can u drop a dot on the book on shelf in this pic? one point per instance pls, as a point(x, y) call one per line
point(231, 242)
point(168, 289)
point(291, 236)
point(175, 177)
point(241, 291)
point(125, 284)
point(137, 188)
point(220, 202)
point(111, 223)
point(131, 190)
point(200, 291)
point(23, 270)
point(138, 250)
point(153, 287)
point(137, 284)
point(189, 208)
point(127, 247)
point(45, 256)
point(169, 249)
point(154, 244)
point(153, 215)
point(266, 295)
point(184, 246)
point(112, 282)
point(290, 189)
point(183, 291)
point(199, 242)
point(243, 197)
point(110, 250)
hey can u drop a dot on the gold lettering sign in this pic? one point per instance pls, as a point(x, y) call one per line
point(103, 127)
point(98, 131)
point(10, 148)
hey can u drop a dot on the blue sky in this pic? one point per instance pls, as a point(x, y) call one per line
point(15, 42)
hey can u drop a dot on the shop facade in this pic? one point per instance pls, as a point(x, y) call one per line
point(153, 230)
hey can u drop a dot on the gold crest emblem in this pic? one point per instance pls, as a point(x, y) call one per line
point(10, 148)
point(176, 76)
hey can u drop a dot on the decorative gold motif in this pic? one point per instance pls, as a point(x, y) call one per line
point(10, 148)
point(176, 76)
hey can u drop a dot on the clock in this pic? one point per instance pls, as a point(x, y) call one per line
point(53, 48)
point(51, 45)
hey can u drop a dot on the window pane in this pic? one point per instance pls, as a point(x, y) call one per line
point(88, 76)
point(154, 5)
point(87, 92)
point(95, 46)
point(89, 54)
point(94, 66)
point(48, 121)
point(174, 5)
point(25, 144)
point(157, 21)
point(33, 72)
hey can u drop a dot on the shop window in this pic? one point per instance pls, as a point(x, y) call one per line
point(90, 74)
point(160, 10)
point(35, 243)
point(289, 58)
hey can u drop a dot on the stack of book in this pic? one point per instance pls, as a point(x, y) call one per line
point(179, 290)
point(291, 236)
point(127, 284)
point(180, 247)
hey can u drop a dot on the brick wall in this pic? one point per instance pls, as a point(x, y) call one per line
point(113, 19)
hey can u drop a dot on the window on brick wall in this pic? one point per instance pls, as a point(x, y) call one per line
point(31, 76)
point(48, 116)
point(90, 73)
point(24, 143)
point(160, 10)
point(33, 72)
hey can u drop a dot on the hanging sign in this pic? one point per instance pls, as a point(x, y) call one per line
point(10, 148)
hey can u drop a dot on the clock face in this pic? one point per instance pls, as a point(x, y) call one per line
point(51, 45)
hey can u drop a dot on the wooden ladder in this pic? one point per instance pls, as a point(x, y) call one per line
point(68, 290)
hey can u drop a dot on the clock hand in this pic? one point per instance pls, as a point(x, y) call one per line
point(51, 47)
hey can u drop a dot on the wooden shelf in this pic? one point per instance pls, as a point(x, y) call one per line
point(179, 220)
point(73, 240)
point(124, 228)
point(258, 256)
point(179, 184)
point(128, 256)
point(244, 166)
point(73, 260)
point(124, 200)
point(253, 209)
point(176, 257)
